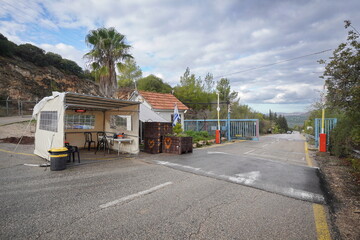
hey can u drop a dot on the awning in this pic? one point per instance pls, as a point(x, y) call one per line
point(75, 100)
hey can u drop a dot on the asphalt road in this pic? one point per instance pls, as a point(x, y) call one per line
point(276, 164)
point(140, 198)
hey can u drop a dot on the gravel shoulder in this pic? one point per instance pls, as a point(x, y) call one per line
point(342, 186)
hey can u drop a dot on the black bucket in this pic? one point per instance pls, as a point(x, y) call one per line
point(58, 158)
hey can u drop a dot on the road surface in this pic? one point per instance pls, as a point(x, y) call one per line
point(142, 198)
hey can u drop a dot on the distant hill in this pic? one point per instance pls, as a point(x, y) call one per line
point(295, 118)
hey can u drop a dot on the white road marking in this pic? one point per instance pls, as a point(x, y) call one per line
point(133, 196)
point(250, 151)
point(265, 145)
point(31, 165)
point(217, 153)
point(246, 178)
point(250, 179)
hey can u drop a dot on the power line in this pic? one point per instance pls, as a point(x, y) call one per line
point(271, 64)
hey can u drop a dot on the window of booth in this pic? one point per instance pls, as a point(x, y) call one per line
point(120, 122)
point(79, 121)
point(48, 121)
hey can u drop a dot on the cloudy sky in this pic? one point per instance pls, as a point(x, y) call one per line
point(234, 39)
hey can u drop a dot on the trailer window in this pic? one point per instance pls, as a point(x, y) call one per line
point(79, 121)
point(120, 122)
point(48, 121)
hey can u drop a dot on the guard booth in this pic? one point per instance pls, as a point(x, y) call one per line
point(66, 116)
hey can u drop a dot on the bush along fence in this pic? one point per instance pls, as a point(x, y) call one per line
point(11, 107)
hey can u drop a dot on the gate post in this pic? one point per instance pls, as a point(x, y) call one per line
point(7, 106)
point(316, 133)
point(228, 127)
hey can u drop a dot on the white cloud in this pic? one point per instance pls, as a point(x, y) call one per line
point(219, 37)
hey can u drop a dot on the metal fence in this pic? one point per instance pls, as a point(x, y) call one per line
point(230, 128)
point(10, 107)
point(329, 124)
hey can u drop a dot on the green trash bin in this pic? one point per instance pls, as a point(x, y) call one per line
point(58, 158)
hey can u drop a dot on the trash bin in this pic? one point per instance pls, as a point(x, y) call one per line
point(58, 158)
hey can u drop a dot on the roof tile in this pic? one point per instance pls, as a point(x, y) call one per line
point(164, 101)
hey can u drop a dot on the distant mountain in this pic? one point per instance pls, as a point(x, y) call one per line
point(295, 118)
point(293, 114)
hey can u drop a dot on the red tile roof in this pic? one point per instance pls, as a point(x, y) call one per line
point(162, 100)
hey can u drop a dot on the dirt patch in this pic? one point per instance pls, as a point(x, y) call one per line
point(342, 185)
point(17, 130)
point(24, 140)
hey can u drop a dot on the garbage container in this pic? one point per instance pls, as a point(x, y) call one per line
point(58, 158)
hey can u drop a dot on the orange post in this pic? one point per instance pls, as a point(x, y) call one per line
point(322, 145)
point(217, 137)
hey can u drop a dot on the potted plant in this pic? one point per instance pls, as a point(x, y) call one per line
point(178, 142)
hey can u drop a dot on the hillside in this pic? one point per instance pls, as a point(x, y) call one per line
point(28, 73)
point(296, 119)
point(24, 80)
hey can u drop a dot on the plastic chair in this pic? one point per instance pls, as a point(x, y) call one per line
point(88, 140)
point(102, 142)
point(71, 151)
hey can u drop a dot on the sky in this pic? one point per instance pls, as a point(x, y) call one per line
point(269, 50)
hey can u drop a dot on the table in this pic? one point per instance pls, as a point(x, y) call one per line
point(120, 141)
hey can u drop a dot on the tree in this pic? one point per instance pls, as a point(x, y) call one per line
point(342, 78)
point(209, 83)
point(192, 90)
point(31, 53)
point(130, 73)
point(152, 83)
point(224, 89)
point(108, 48)
point(7, 48)
point(71, 67)
point(53, 59)
point(342, 74)
point(282, 124)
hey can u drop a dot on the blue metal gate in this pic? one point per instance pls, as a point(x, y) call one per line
point(244, 129)
point(230, 128)
point(329, 124)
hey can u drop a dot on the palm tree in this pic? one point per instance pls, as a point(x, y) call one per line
point(108, 49)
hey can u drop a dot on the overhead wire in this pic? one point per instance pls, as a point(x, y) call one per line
point(271, 64)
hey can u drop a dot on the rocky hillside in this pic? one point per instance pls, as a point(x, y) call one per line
point(23, 80)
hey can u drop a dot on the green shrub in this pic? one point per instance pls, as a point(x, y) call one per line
point(345, 136)
point(355, 164)
point(177, 129)
point(198, 136)
point(7, 48)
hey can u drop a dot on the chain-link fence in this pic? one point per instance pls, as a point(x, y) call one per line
point(10, 107)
